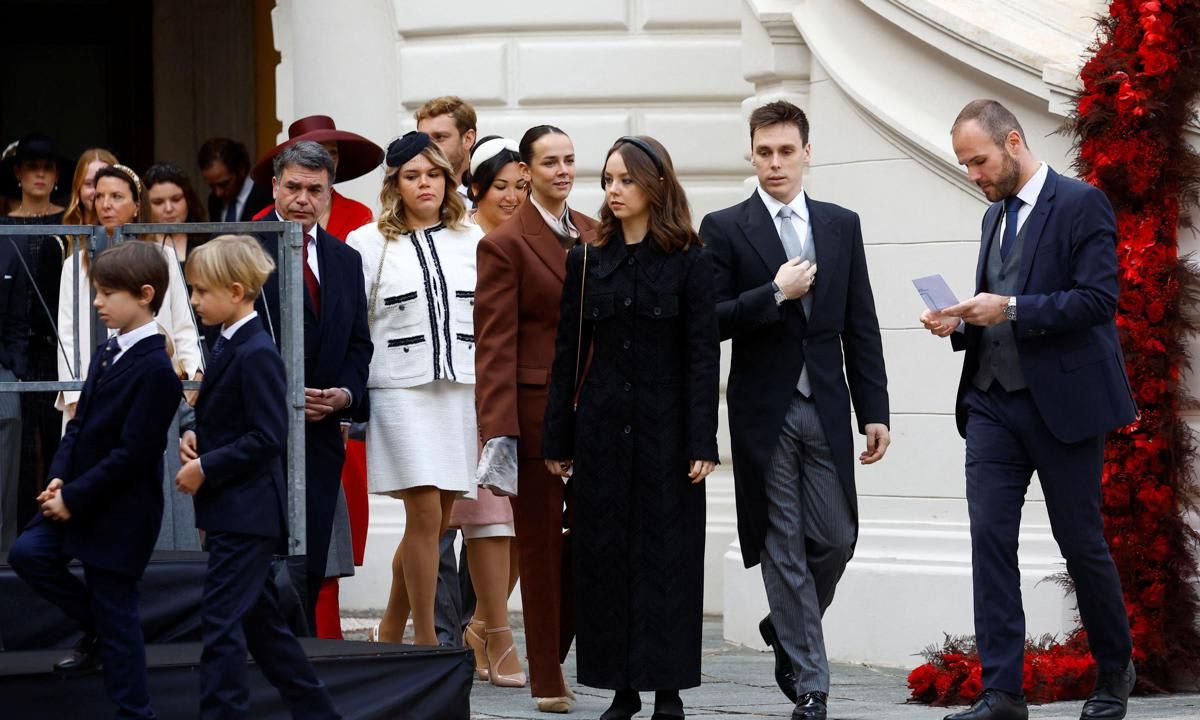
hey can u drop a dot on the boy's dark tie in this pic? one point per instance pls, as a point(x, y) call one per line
point(111, 348)
point(218, 346)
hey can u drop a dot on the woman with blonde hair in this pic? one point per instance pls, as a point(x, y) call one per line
point(419, 271)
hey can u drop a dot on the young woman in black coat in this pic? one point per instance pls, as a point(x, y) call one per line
point(639, 303)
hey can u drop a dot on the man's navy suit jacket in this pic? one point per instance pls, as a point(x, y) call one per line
point(1066, 303)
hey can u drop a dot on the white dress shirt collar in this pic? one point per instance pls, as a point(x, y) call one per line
point(1030, 191)
point(133, 337)
point(799, 205)
point(229, 331)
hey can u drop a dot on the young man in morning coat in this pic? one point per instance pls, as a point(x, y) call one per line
point(789, 406)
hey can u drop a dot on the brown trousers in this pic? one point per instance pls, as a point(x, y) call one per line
point(545, 588)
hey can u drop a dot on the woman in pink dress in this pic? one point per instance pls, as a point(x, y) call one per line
point(497, 186)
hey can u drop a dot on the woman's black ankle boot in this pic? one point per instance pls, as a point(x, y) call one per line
point(667, 705)
point(625, 705)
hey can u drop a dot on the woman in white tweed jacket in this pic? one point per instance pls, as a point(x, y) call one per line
point(419, 271)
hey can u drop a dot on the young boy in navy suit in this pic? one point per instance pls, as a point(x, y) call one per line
point(234, 469)
point(104, 503)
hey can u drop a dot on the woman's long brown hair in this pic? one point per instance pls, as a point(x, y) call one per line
point(670, 216)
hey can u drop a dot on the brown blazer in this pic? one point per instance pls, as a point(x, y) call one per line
point(520, 271)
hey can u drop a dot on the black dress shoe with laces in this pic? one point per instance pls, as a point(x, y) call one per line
point(994, 705)
point(811, 706)
point(84, 659)
point(785, 676)
point(1110, 699)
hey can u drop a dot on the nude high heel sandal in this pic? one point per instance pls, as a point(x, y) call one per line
point(494, 637)
point(478, 645)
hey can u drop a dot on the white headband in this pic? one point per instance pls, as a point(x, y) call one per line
point(491, 149)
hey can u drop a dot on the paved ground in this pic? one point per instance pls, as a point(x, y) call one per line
point(738, 683)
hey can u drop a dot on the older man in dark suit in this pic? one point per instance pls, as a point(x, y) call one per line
point(1043, 380)
point(789, 405)
point(337, 344)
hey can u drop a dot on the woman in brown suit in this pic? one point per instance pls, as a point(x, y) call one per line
point(520, 270)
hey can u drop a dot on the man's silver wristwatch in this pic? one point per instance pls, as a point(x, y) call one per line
point(1010, 310)
point(780, 298)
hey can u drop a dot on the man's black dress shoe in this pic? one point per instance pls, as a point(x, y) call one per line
point(84, 659)
point(994, 705)
point(785, 677)
point(1110, 699)
point(811, 706)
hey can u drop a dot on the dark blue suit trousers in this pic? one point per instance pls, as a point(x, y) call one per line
point(1007, 439)
point(107, 605)
point(241, 613)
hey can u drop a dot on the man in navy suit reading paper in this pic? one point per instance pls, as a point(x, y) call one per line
point(1043, 380)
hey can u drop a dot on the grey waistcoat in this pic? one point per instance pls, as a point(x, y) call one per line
point(998, 358)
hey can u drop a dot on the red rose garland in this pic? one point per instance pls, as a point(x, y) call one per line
point(1129, 125)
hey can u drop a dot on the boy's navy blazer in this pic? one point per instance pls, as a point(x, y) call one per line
point(241, 434)
point(111, 459)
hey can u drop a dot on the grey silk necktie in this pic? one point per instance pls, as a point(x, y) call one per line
point(793, 248)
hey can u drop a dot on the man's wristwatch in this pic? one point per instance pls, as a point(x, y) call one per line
point(1010, 310)
point(779, 296)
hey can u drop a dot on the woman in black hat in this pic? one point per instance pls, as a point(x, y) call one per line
point(30, 176)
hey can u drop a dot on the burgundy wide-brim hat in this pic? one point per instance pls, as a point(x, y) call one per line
point(357, 155)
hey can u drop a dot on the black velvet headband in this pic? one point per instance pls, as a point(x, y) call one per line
point(406, 147)
point(644, 146)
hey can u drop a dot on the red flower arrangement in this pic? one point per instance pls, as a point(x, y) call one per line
point(1129, 126)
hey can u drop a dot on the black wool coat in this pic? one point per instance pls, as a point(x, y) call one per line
point(647, 408)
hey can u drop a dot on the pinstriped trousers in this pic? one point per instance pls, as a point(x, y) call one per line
point(809, 539)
